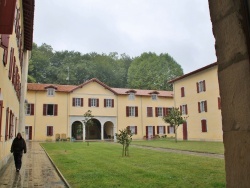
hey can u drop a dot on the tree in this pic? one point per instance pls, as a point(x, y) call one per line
point(88, 121)
point(174, 118)
point(124, 138)
point(152, 71)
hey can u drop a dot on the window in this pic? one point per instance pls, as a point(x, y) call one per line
point(159, 111)
point(161, 130)
point(29, 109)
point(201, 86)
point(182, 92)
point(49, 130)
point(131, 96)
point(131, 111)
point(183, 109)
point(50, 91)
point(133, 129)
point(50, 109)
point(109, 103)
point(203, 125)
point(154, 97)
point(202, 106)
point(93, 102)
point(171, 130)
point(77, 102)
point(6, 124)
point(219, 103)
point(149, 111)
point(150, 131)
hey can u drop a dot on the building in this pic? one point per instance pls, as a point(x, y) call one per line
point(196, 94)
point(16, 35)
point(57, 111)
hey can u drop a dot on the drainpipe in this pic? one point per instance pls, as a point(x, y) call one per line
point(21, 127)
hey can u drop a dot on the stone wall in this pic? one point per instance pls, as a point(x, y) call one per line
point(232, 43)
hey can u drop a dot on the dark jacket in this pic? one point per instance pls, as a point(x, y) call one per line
point(18, 145)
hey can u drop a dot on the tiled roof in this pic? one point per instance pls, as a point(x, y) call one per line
point(117, 91)
point(42, 87)
point(124, 91)
point(193, 72)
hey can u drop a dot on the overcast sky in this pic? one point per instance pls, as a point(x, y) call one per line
point(181, 28)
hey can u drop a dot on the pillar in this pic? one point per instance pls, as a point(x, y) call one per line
point(231, 33)
point(83, 132)
point(102, 131)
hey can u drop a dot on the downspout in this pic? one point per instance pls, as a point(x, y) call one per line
point(23, 92)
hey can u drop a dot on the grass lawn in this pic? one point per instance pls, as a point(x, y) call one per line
point(210, 147)
point(100, 165)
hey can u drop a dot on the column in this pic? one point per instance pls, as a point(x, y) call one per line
point(114, 131)
point(102, 131)
point(83, 132)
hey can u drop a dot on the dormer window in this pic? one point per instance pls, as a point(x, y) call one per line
point(154, 97)
point(131, 96)
point(50, 91)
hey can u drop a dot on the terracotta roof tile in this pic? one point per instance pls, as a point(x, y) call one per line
point(124, 91)
point(42, 87)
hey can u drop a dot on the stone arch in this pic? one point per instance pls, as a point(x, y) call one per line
point(108, 130)
point(77, 130)
point(93, 132)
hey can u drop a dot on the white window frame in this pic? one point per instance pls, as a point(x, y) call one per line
point(109, 103)
point(201, 86)
point(50, 92)
point(131, 111)
point(161, 129)
point(202, 106)
point(28, 109)
point(93, 102)
point(47, 107)
point(154, 97)
point(132, 129)
point(171, 129)
point(160, 111)
point(78, 102)
point(183, 109)
point(131, 96)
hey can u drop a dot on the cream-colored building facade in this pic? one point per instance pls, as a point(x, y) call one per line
point(196, 94)
point(16, 33)
point(57, 111)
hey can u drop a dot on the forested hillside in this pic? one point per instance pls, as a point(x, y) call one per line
point(148, 71)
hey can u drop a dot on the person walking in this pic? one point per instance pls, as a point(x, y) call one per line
point(17, 148)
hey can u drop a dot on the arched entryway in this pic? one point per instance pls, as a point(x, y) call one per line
point(77, 130)
point(93, 131)
point(108, 130)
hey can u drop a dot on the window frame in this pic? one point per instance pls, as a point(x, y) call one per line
point(160, 111)
point(131, 96)
point(154, 97)
point(204, 126)
point(50, 130)
point(133, 129)
point(50, 92)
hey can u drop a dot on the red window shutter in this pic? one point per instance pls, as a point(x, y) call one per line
point(11, 62)
point(112, 103)
point(157, 129)
point(1, 114)
point(205, 106)
point(73, 102)
point(219, 103)
point(31, 109)
point(186, 109)
point(44, 109)
point(182, 92)
point(7, 14)
point(136, 111)
point(55, 109)
point(147, 131)
point(199, 108)
point(153, 130)
point(135, 129)
point(148, 111)
point(97, 102)
point(167, 111)
point(5, 56)
point(181, 109)
point(174, 128)
point(204, 125)
point(5, 41)
point(127, 111)
point(105, 103)
point(7, 123)
point(15, 126)
point(89, 102)
point(164, 129)
point(81, 102)
point(48, 130)
point(14, 71)
point(156, 111)
point(30, 133)
point(197, 86)
point(10, 124)
point(164, 111)
point(168, 129)
point(204, 85)
point(51, 131)
point(16, 78)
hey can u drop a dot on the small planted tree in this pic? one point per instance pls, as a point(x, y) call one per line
point(88, 121)
point(124, 138)
point(175, 119)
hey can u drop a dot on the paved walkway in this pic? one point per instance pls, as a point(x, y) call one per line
point(36, 171)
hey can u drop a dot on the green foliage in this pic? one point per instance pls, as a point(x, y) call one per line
point(124, 138)
point(151, 71)
point(175, 119)
point(88, 121)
